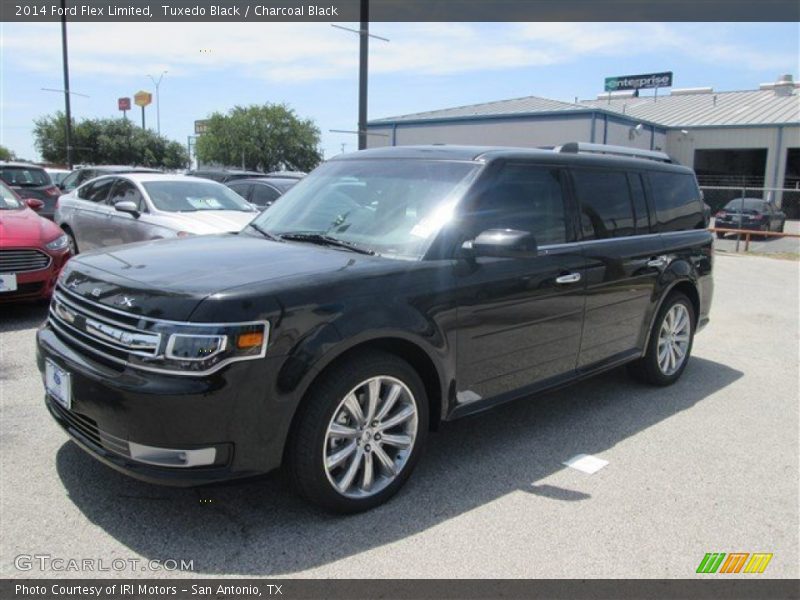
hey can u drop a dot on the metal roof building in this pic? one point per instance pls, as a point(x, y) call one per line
point(737, 138)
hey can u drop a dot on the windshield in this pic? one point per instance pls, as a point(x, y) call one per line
point(391, 207)
point(8, 199)
point(24, 176)
point(193, 196)
point(749, 204)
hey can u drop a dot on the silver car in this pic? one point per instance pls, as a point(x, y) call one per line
point(126, 208)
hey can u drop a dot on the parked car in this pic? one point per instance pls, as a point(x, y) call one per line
point(263, 191)
point(750, 213)
point(121, 209)
point(80, 176)
point(395, 288)
point(287, 174)
point(31, 181)
point(32, 249)
point(223, 175)
point(57, 175)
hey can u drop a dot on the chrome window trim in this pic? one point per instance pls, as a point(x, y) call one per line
point(618, 239)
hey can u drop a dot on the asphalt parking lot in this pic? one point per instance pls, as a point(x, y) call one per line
point(708, 465)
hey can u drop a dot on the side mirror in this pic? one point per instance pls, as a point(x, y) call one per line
point(34, 204)
point(504, 243)
point(127, 206)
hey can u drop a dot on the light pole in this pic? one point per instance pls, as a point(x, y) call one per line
point(363, 70)
point(158, 98)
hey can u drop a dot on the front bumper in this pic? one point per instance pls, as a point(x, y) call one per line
point(37, 285)
point(115, 410)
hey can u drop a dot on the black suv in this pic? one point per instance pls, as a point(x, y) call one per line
point(389, 290)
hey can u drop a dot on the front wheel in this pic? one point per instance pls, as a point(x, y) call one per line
point(359, 433)
point(670, 343)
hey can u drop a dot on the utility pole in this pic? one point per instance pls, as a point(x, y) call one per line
point(363, 72)
point(158, 99)
point(65, 61)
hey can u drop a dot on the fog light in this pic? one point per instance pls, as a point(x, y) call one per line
point(167, 457)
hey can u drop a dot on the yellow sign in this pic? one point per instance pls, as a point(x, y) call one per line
point(142, 98)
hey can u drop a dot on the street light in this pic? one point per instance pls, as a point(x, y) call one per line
point(158, 98)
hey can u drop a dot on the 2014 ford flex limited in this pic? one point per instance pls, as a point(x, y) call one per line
point(390, 290)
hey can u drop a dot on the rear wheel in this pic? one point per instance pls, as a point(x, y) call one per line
point(670, 343)
point(359, 434)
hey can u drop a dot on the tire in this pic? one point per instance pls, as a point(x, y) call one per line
point(720, 235)
point(780, 229)
point(312, 443)
point(73, 243)
point(649, 369)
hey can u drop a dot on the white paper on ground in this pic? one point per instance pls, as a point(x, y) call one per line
point(586, 463)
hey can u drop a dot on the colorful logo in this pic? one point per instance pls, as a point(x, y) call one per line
point(736, 562)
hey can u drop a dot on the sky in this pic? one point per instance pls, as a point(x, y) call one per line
point(313, 67)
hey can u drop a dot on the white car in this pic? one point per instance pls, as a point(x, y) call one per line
point(126, 208)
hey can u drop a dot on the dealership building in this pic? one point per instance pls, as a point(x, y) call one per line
point(736, 139)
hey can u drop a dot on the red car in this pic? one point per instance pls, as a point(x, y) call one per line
point(32, 249)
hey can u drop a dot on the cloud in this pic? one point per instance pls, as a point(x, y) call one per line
point(299, 52)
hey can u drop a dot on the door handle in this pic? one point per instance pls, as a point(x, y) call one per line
point(657, 262)
point(568, 278)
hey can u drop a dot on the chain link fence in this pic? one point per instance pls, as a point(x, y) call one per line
point(788, 198)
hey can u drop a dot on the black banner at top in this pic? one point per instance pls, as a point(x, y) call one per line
point(398, 10)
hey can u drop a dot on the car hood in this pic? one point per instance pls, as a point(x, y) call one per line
point(208, 221)
point(25, 227)
point(167, 279)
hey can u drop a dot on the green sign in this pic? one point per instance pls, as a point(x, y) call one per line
point(639, 82)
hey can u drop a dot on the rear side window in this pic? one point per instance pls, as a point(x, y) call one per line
point(525, 198)
point(677, 201)
point(605, 203)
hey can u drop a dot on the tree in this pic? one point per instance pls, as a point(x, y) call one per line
point(6, 154)
point(107, 141)
point(266, 138)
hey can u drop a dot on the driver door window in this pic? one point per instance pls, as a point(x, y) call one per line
point(525, 198)
point(125, 191)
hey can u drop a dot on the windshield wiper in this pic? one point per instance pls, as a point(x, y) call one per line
point(264, 232)
point(324, 240)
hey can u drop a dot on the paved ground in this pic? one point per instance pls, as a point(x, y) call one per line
point(708, 465)
point(769, 245)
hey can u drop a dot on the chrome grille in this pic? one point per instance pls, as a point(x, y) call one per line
point(103, 334)
point(21, 261)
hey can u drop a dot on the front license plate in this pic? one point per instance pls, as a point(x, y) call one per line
point(8, 282)
point(57, 382)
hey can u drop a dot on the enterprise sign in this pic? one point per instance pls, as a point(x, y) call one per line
point(638, 82)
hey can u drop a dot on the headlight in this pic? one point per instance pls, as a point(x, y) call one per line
point(59, 243)
point(195, 347)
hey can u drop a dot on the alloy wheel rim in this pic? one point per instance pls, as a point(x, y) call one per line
point(370, 437)
point(673, 339)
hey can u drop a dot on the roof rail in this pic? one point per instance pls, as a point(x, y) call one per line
point(577, 147)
